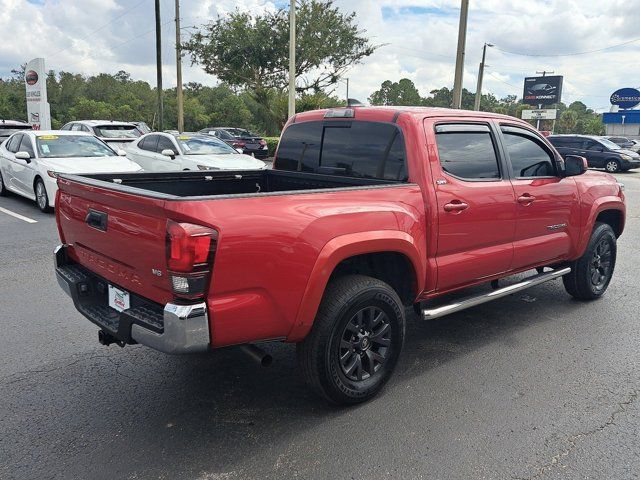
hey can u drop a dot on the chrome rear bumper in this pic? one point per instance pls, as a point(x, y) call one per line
point(173, 329)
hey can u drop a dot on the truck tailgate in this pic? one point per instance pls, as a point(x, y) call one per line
point(119, 236)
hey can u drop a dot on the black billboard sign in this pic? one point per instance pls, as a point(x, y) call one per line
point(542, 90)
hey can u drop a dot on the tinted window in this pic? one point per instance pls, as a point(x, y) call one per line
point(149, 143)
point(165, 144)
point(26, 146)
point(76, 127)
point(354, 149)
point(566, 142)
point(66, 127)
point(299, 148)
point(528, 157)
point(363, 149)
point(468, 155)
point(592, 145)
point(14, 143)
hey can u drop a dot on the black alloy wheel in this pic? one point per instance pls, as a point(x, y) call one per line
point(365, 343)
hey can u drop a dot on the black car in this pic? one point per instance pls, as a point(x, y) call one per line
point(599, 152)
point(240, 139)
point(9, 127)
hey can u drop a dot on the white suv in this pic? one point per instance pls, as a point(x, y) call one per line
point(117, 134)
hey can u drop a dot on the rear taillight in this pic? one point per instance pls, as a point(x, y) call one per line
point(190, 253)
point(263, 142)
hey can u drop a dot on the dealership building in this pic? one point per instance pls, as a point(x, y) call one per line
point(624, 118)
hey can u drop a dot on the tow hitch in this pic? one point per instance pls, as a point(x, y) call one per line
point(107, 339)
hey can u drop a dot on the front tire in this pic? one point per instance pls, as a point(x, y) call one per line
point(42, 199)
point(3, 189)
point(355, 342)
point(591, 274)
point(612, 166)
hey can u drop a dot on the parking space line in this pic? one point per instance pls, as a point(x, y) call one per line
point(18, 216)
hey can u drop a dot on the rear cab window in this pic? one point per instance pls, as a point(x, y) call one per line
point(361, 149)
point(468, 152)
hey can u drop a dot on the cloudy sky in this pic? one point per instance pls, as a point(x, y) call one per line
point(593, 43)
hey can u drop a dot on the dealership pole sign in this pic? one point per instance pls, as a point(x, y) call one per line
point(625, 98)
point(35, 80)
point(545, 90)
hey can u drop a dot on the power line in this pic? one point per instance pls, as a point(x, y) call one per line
point(89, 57)
point(122, 14)
point(587, 52)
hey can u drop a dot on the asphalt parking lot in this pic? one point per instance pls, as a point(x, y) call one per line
point(534, 386)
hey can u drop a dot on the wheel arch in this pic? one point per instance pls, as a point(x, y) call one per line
point(609, 210)
point(390, 256)
point(612, 217)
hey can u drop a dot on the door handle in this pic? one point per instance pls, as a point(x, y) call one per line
point(455, 206)
point(526, 199)
point(97, 220)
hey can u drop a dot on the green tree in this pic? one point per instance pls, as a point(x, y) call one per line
point(403, 92)
point(250, 51)
point(567, 122)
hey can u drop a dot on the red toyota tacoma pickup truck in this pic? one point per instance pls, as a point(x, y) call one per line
point(367, 211)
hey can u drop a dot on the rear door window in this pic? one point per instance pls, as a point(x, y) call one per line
point(467, 152)
point(353, 149)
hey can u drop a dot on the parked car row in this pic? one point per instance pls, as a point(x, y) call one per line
point(31, 160)
point(600, 152)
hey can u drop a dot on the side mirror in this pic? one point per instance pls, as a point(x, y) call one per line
point(168, 153)
point(574, 165)
point(121, 153)
point(23, 156)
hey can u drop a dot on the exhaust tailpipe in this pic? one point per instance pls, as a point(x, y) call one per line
point(257, 354)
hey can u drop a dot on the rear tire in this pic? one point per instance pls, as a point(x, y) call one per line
point(355, 342)
point(591, 274)
point(612, 166)
point(42, 199)
point(3, 189)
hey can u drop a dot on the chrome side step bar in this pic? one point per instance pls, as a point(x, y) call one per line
point(468, 302)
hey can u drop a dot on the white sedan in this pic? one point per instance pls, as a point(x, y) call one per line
point(31, 160)
point(167, 152)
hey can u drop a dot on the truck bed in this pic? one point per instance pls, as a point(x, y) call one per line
point(205, 184)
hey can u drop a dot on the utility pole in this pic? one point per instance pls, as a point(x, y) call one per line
point(544, 73)
point(292, 59)
point(476, 105)
point(179, 71)
point(347, 91)
point(159, 68)
point(462, 40)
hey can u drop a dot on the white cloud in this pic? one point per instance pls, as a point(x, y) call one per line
point(91, 36)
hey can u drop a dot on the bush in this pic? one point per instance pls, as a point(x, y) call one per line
point(272, 143)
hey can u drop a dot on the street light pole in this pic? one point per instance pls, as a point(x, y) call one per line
point(159, 68)
point(292, 59)
point(476, 105)
point(462, 40)
point(347, 91)
point(180, 98)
